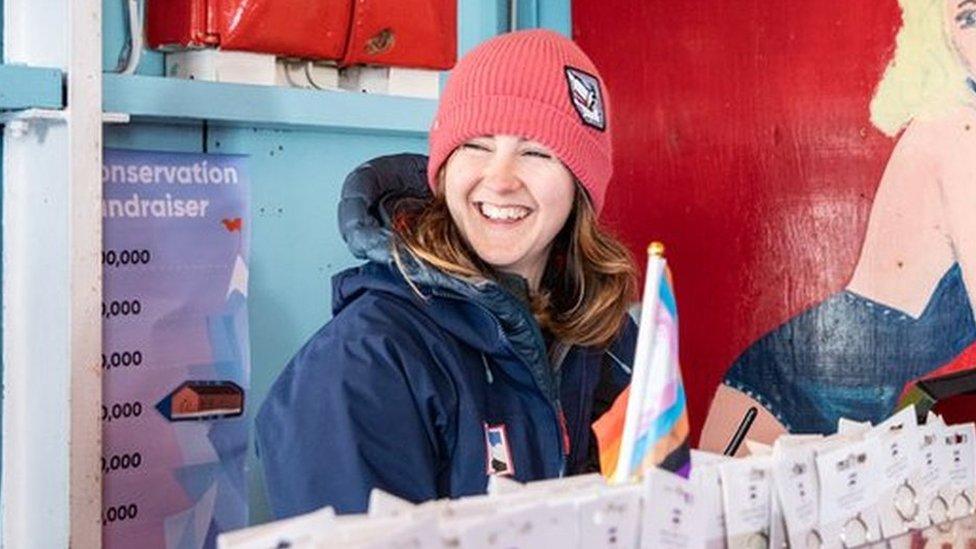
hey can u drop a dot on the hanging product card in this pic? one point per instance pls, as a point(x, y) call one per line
point(670, 512)
point(388, 533)
point(849, 479)
point(850, 427)
point(555, 524)
point(777, 522)
point(175, 348)
point(898, 504)
point(295, 532)
point(795, 478)
point(933, 474)
point(959, 448)
point(509, 526)
point(611, 518)
point(746, 488)
point(708, 488)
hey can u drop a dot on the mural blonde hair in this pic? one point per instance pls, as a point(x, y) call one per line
point(926, 78)
point(588, 283)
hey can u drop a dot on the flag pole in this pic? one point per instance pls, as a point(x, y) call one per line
point(642, 360)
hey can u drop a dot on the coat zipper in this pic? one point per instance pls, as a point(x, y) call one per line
point(562, 431)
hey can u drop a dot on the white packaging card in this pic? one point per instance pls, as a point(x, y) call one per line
point(789, 441)
point(669, 519)
point(933, 474)
point(849, 476)
point(960, 451)
point(777, 523)
point(746, 488)
point(796, 483)
point(479, 532)
point(560, 525)
point(701, 459)
point(611, 519)
point(363, 532)
point(898, 503)
point(297, 532)
point(711, 511)
point(538, 524)
point(847, 426)
point(758, 448)
point(384, 504)
point(500, 486)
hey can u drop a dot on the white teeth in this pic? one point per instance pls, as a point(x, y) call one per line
point(503, 212)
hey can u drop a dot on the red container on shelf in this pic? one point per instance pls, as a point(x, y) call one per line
point(311, 29)
point(403, 33)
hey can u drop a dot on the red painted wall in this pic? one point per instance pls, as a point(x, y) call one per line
point(742, 141)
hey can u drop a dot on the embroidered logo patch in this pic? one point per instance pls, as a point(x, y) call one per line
point(585, 95)
point(499, 455)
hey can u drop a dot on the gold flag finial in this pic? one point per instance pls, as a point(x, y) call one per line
point(656, 249)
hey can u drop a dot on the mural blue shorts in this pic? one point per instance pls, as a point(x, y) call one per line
point(851, 357)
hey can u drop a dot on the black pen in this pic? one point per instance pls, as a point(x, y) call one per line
point(741, 432)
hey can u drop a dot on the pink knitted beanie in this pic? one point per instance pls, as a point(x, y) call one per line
point(535, 84)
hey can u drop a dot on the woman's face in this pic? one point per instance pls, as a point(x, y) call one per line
point(962, 31)
point(509, 197)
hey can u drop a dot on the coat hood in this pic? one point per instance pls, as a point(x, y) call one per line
point(489, 315)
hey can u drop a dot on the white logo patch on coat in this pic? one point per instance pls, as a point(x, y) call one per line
point(585, 95)
point(499, 455)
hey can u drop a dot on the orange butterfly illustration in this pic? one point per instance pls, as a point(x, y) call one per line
point(232, 224)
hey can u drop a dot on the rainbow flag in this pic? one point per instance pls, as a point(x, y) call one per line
point(647, 426)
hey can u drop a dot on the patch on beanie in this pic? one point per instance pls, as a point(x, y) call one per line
point(584, 94)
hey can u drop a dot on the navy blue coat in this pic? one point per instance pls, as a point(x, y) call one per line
point(397, 391)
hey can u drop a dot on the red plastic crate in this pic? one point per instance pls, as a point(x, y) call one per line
point(311, 29)
point(404, 33)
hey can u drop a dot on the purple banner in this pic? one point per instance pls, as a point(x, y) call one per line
point(176, 359)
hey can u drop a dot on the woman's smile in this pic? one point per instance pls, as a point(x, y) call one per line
point(506, 215)
point(509, 198)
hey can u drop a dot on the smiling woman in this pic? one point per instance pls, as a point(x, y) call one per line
point(488, 328)
point(509, 198)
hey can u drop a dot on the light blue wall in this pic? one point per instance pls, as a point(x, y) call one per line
point(296, 177)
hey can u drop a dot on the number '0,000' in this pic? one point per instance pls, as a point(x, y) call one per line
point(121, 308)
point(121, 410)
point(121, 462)
point(121, 258)
point(120, 512)
point(121, 359)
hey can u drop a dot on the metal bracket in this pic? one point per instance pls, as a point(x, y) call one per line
point(19, 122)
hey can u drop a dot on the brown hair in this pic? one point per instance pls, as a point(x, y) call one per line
point(588, 283)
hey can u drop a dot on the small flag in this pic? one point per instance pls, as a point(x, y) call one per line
point(647, 426)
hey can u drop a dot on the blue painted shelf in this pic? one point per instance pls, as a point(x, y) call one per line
point(173, 99)
point(23, 87)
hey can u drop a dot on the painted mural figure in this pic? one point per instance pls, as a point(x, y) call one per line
point(908, 308)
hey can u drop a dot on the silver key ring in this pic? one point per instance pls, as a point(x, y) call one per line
point(942, 506)
point(941, 524)
point(966, 504)
point(814, 540)
point(855, 532)
point(758, 540)
point(906, 502)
